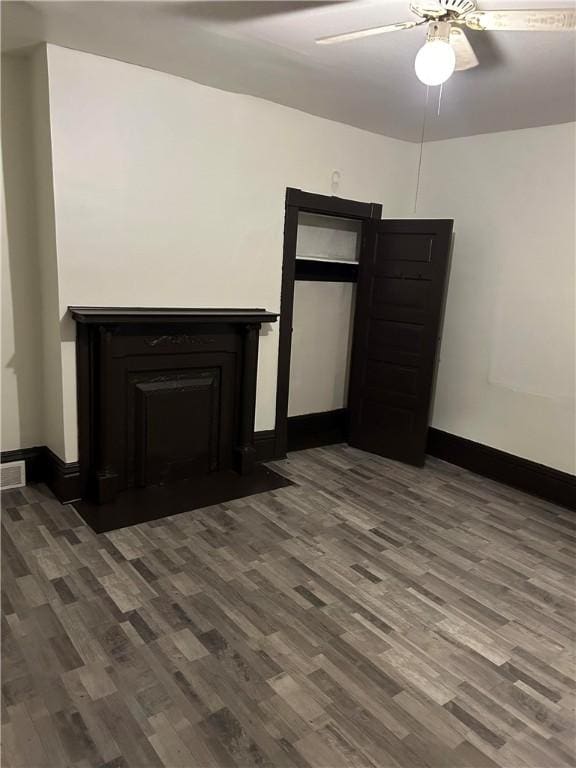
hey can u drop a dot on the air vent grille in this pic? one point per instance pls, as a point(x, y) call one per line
point(12, 475)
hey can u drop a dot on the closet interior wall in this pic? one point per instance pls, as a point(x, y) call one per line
point(327, 253)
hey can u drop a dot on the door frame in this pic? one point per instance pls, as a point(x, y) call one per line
point(307, 202)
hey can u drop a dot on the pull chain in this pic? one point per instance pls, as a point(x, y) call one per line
point(421, 147)
point(422, 137)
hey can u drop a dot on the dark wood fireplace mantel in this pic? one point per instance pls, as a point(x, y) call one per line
point(164, 394)
point(128, 315)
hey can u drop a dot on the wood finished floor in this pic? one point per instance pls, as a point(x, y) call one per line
point(371, 616)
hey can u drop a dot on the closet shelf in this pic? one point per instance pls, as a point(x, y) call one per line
point(326, 271)
point(326, 261)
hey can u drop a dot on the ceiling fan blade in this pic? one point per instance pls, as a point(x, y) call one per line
point(552, 20)
point(359, 33)
point(465, 56)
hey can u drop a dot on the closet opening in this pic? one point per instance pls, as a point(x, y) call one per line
point(359, 369)
point(327, 252)
point(323, 243)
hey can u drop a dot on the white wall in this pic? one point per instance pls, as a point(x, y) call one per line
point(169, 193)
point(321, 346)
point(21, 349)
point(32, 384)
point(506, 374)
point(54, 384)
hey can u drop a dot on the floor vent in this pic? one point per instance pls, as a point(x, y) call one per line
point(12, 475)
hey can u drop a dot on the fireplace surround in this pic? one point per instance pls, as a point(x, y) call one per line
point(164, 395)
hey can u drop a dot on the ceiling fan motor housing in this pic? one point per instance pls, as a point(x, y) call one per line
point(458, 7)
point(436, 9)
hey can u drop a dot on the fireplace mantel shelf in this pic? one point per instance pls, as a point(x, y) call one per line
point(126, 315)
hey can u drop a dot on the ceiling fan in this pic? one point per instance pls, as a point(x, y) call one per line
point(447, 48)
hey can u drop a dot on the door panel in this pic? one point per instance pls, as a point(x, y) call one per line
point(398, 311)
point(404, 246)
point(390, 378)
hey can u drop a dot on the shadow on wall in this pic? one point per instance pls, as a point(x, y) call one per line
point(441, 327)
point(21, 313)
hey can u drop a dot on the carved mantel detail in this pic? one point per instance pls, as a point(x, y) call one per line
point(183, 338)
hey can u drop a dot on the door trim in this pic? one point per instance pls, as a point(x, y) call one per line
point(296, 201)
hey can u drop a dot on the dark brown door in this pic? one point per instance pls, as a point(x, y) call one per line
point(396, 336)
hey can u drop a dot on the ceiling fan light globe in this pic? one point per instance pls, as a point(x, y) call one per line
point(435, 62)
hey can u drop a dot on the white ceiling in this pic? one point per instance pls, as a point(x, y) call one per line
point(266, 48)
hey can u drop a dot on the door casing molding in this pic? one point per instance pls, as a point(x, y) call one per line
point(308, 202)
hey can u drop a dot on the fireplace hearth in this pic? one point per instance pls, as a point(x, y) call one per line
point(165, 397)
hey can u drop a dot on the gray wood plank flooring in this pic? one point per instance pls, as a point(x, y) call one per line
point(373, 615)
